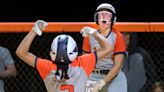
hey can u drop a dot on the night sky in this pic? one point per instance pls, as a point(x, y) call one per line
point(79, 11)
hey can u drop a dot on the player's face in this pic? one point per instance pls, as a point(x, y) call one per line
point(158, 90)
point(104, 19)
point(53, 56)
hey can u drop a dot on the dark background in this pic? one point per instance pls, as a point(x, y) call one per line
point(76, 11)
point(79, 10)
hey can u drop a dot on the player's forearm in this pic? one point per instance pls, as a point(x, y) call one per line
point(116, 68)
point(24, 46)
point(112, 73)
point(7, 73)
point(105, 49)
point(102, 40)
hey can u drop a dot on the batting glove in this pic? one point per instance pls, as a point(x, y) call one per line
point(86, 31)
point(98, 86)
point(39, 26)
point(89, 85)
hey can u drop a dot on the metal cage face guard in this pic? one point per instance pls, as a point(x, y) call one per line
point(104, 16)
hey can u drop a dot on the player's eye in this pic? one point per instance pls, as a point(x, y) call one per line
point(75, 50)
point(71, 53)
point(53, 53)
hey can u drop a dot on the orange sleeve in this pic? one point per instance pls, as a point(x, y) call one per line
point(86, 44)
point(120, 47)
point(43, 66)
point(88, 61)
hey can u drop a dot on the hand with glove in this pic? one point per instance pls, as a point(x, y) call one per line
point(98, 85)
point(39, 26)
point(89, 85)
point(86, 31)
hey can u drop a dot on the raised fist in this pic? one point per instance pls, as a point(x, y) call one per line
point(39, 26)
point(86, 31)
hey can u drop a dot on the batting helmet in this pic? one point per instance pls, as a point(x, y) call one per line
point(65, 48)
point(66, 51)
point(107, 7)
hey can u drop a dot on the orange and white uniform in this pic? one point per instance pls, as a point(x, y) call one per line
point(78, 73)
point(115, 38)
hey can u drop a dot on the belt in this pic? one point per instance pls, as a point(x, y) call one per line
point(101, 71)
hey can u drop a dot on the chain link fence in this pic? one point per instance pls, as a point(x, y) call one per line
point(28, 79)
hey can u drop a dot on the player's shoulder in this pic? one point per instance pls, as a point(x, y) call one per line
point(41, 59)
point(82, 58)
point(4, 50)
point(85, 56)
point(117, 32)
point(46, 61)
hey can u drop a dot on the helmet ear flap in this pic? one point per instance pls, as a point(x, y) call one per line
point(113, 19)
point(96, 17)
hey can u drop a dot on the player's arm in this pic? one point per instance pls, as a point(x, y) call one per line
point(118, 59)
point(102, 52)
point(105, 49)
point(120, 49)
point(23, 49)
point(10, 70)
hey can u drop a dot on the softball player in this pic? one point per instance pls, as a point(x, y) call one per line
point(67, 72)
point(109, 71)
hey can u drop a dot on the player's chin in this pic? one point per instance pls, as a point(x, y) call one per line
point(104, 27)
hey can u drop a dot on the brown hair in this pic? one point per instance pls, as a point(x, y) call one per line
point(158, 84)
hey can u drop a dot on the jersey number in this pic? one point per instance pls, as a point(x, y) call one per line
point(70, 88)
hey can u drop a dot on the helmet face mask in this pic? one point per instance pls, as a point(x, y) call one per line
point(105, 7)
point(104, 16)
